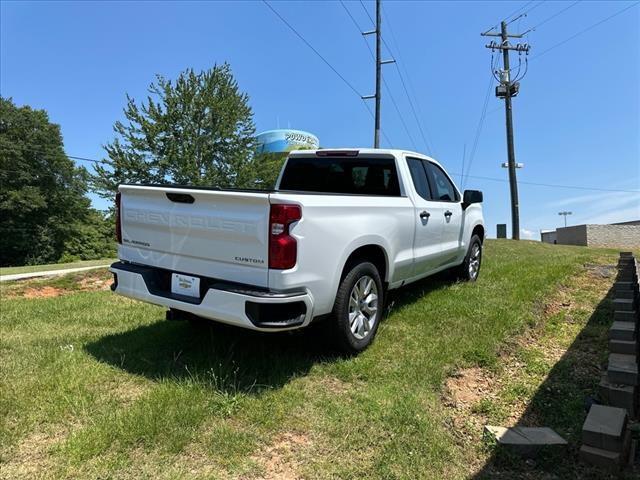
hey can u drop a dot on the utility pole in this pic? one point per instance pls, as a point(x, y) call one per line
point(507, 89)
point(379, 63)
point(564, 214)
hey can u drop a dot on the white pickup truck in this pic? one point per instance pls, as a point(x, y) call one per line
point(340, 229)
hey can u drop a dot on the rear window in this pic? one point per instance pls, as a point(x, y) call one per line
point(360, 176)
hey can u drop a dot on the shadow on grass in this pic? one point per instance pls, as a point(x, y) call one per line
point(229, 359)
point(562, 403)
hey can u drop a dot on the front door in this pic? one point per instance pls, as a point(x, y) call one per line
point(429, 220)
point(447, 201)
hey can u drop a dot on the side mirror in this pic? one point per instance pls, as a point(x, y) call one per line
point(471, 196)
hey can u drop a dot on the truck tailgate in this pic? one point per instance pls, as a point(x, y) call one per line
point(212, 233)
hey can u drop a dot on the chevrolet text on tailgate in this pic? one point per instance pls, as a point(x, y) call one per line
point(340, 229)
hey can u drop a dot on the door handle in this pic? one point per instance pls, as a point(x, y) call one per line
point(448, 213)
point(424, 215)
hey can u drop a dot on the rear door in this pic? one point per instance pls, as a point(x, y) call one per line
point(446, 203)
point(217, 234)
point(429, 221)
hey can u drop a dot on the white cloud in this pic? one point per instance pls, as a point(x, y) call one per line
point(528, 234)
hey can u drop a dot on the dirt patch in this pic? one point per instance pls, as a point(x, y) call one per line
point(95, 283)
point(93, 280)
point(334, 385)
point(43, 292)
point(281, 459)
point(466, 387)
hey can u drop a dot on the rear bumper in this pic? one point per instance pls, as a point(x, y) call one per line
point(234, 304)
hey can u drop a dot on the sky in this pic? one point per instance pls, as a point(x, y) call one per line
point(576, 118)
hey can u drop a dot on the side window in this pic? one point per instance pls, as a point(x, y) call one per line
point(444, 190)
point(419, 177)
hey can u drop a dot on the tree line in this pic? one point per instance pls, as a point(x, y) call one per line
point(195, 130)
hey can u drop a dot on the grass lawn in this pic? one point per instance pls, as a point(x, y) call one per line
point(98, 386)
point(54, 266)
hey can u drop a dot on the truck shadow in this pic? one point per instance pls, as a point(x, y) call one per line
point(561, 402)
point(229, 359)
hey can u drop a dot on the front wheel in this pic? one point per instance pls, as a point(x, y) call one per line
point(358, 308)
point(470, 268)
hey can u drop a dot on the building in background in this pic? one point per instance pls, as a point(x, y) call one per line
point(548, 236)
point(616, 235)
point(285, 140)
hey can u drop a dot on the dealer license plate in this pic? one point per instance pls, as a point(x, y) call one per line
point(185, 285)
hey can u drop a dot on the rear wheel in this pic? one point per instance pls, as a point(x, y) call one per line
point(470, 268)
point(358, 308)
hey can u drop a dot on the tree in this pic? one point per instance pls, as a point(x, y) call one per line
point(197, 130)
point(42, 192)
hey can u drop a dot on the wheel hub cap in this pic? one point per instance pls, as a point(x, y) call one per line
point(474, 261)
point(363, 307)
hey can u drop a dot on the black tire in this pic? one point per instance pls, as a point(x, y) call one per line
point(465, 272)
point(344, 338)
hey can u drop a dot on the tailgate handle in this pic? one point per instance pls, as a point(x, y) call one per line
point(180, 197)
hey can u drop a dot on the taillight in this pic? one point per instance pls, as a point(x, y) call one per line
point(283, 248)
point(118, 220)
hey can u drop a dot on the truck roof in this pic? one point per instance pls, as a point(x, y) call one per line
point(363, 151)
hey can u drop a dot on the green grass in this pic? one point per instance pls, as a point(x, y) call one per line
point(95, 385)
point(54, 266)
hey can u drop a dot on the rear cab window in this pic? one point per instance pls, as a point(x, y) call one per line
point(419, 177)
point(342, 175)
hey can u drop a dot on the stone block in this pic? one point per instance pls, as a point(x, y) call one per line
point(624, 304)
point(624, 286)
point(623, 331)
point(621, 396)
point(621, 316)
point(626, 347)
point(605, 428)
point(625, 294)
point(623, 369)
point(604, 459)
point(525, 441)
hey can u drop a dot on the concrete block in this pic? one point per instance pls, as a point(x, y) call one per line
point(623, 286)
point(626, 347)
point(605, 428)
point(627, 275)
point(624, 304)
point(525, 440)
point(621, 396)
point(621, 316)
point(623, 331)
point(604, 459)
point(623, 369)
point(625, 294)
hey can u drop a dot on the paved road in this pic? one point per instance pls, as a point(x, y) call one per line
point(48, 273)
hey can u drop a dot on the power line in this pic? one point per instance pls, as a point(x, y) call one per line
point(421, 128)
point(367, 12)
point(517, 10)
point(476, 138)
point(549, 185)
point(393, 100)
point(560, 12)
point(584, 30)
point(525, 13)
point(493, 179)
point(318, 54)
